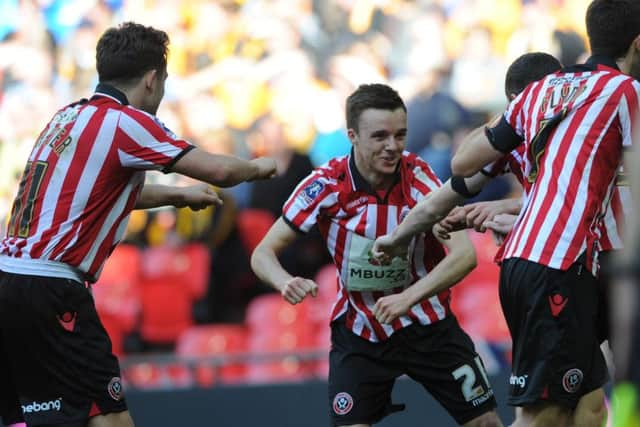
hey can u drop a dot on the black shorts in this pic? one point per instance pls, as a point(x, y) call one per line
point(56, 356)
point(440, 356)
point(553, 319)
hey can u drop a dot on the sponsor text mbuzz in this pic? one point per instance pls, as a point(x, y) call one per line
point(51, 405)
point(395, 275)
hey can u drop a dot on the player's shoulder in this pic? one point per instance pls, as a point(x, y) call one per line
point(147, 120)
point(326, 178)
point(617, 80)
point(620, 84)
point(333, 168)
point(630, 84)
point(416, 168)
point(413, 163)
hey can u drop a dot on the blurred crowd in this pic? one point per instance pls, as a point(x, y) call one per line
point(269, 77)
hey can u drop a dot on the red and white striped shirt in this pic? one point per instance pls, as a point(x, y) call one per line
point(82, 180)
point(350, 216)
point(573, 173)
point(512, 162)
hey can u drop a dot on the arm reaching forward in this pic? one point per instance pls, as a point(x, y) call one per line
point(484, 145)
point(222, 170)
point(426, 213)
point(196, 197)
point(459, 261)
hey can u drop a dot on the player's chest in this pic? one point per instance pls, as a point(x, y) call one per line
point(369, 215)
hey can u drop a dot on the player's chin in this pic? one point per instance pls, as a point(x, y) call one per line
point(388, 166)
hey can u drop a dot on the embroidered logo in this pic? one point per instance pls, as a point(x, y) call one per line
point(557, 303)
point(311, 191)
point(68, 320)
point(115, 388)
point(572, 380)
point(342, 403)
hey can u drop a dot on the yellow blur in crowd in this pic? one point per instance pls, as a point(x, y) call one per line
point(233, 61)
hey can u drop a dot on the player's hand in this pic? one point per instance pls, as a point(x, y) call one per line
point(198, 197)
point(266, 167)
point(455, 221)
point(501, 223)
point(390, 307)
point(385, 249)
point(479, 213)
point(440, 232)
point(297, 288)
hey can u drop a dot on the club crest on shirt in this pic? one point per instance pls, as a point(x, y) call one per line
point(311, 191)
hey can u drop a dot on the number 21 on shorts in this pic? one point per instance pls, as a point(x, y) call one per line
point(470, 390)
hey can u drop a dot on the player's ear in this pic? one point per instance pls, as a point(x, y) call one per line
point(353, 135)
point(512, 96)
point(150, 78)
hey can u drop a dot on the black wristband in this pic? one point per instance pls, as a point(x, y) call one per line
point(502, 137)
point(460, 186)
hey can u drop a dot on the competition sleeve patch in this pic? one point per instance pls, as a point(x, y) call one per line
point(311, 192)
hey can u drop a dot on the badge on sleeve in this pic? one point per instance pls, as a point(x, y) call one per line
point(311, 192)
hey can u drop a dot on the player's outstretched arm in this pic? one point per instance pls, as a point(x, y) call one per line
point(500, 226)
point(222, 170)
point(425, 214)
point(478, 215)
point(475, 152)
point(196, 197)
point(265, 264)
point(480, 212)
point(459, 261)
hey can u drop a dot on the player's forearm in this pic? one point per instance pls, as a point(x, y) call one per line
point(453, 268)
point(234, 170)
point(473, 153)
point(155, 195)
point(216, 169)
point(426, 213)
point(267, 267)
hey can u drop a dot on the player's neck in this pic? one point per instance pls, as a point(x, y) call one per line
point(377, 180)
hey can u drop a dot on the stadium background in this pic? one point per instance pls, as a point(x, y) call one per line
point(201, 341)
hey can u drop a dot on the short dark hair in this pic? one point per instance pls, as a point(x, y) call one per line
point(376, 95)
point(612, 25)
point(127, 52)
point(529, 68)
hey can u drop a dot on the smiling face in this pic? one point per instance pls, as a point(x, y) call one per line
point(378, 144)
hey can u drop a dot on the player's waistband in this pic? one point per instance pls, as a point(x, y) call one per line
point(41, 267)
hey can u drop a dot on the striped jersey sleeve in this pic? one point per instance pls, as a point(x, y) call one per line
point(424, 180)
point(315, 193)
point(146, 143)
point(514, 115)
point(512, 162)
point(629, 112)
